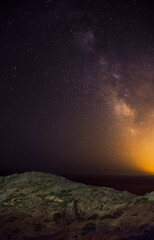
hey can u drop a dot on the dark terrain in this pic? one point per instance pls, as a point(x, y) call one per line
point(43, 206)
point(139, 185)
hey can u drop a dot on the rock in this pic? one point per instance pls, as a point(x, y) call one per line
point(49, 205)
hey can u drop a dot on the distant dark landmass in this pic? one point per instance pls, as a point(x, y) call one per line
point(139, 185)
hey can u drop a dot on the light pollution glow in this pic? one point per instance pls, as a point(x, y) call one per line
point(138, 139)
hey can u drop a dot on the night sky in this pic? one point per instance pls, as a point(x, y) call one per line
point(77, 86)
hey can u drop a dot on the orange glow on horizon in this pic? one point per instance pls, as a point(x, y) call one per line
point(144, 155)
point(135, 139)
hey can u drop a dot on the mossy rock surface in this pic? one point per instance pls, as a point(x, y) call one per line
point(32, 192)
point(49, 204)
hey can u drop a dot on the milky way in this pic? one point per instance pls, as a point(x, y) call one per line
point(77, 86)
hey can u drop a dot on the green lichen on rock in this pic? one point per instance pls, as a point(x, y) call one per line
point(48, 204)
point(44, 194)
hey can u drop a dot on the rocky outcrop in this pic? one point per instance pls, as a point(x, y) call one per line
point(37, 205)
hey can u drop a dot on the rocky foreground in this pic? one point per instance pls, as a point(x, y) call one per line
point(43, 206)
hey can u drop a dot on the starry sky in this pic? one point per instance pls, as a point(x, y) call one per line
point(77, 86)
